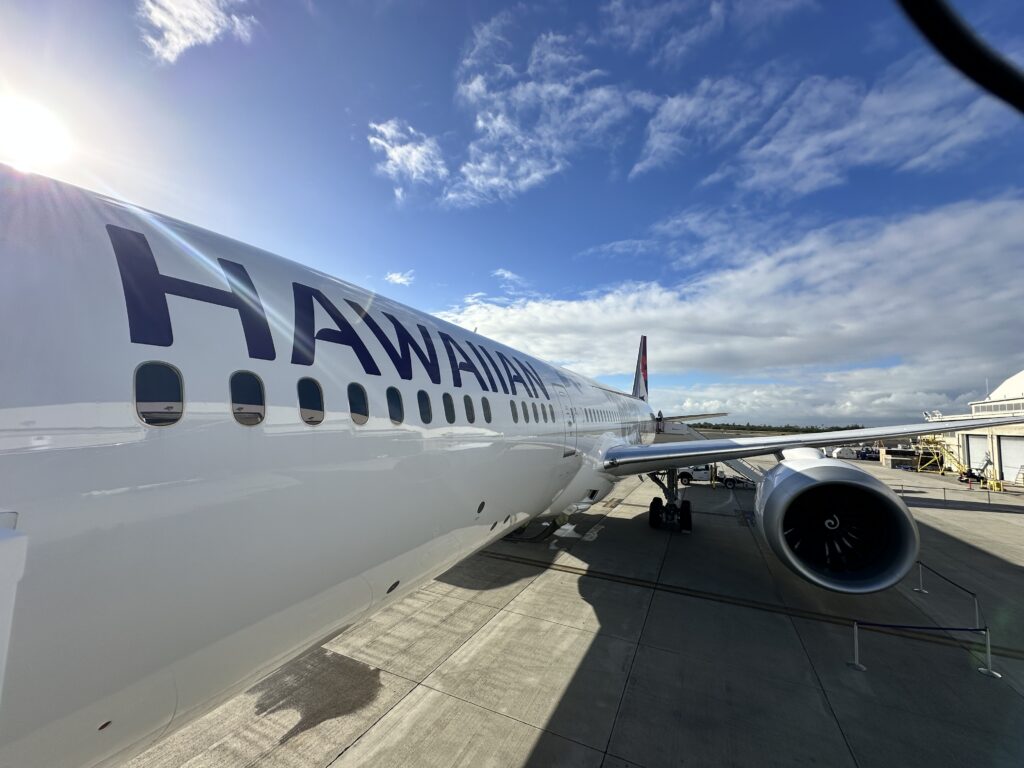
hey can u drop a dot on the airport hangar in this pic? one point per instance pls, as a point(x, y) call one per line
point(1003, 445)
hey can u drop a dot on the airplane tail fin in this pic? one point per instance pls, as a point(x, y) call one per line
point(640, 379)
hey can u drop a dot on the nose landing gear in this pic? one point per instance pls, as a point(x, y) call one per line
point(673, 510)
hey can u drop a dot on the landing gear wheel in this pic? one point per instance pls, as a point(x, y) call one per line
point(730, 483)
point(685, 518)
point(654, 517)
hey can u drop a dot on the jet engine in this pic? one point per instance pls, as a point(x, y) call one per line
point(835, 525)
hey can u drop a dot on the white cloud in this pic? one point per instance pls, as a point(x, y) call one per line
point(865, 396)
point(171, 27)
point(401, 278)
point(918, 116)
point(410, 157)
point(717, 111)
point(514, 287)
point(508, 276)
point(703, 237)
point(634, 26)
point(668, 30)
point(751, 15)
point(530, 120)
point(866, 320)
point(681, 42)
point(618, 248)
point(488, 43)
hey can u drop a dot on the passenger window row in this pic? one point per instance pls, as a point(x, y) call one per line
point(159, 400)
point(601, 414)
point(545, 413)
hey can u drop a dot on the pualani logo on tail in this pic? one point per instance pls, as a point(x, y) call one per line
point(149, 322)
point(640, 377)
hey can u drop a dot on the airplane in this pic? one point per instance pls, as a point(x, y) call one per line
point(212, 457)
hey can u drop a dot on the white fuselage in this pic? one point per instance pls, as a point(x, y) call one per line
point(168, 566)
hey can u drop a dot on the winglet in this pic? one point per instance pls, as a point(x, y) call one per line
point(640, 379)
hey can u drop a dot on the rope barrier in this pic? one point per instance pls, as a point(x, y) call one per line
point(946, 578)
point(979, 626)
point(856, 664)
point(919, 627)
point(979, 616)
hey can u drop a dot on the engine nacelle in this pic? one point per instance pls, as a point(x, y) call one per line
point(836, 526)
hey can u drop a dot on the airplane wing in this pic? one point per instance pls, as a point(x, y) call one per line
point(693, 416)
point(637, 459)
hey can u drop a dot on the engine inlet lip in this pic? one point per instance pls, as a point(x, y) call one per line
point(795, 486)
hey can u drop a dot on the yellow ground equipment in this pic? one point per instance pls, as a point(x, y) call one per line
point(935, 456)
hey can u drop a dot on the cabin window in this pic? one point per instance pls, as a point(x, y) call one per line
point(311, 401)
point(426, 412)
point(358, 405)
point(158, 394)
point(449, 408)
point(515, 411)
point(470, 411)
point(486, 405)
point(551, 409)
point(536, 416)
point(247, 401)
point(543, 412)
point(526, 412)
point(396, 410)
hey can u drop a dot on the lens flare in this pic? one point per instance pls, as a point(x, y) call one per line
point(32, 138)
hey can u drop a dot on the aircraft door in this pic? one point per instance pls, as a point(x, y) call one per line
point(568, 420)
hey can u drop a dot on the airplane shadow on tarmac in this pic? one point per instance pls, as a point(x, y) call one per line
point(707, 650)
point(629, 646)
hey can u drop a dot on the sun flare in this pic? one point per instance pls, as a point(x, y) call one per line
point(32, 138)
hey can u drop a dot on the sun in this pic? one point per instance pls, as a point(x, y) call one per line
point(32, 138)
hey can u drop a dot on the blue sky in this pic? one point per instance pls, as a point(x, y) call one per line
point(813, 219)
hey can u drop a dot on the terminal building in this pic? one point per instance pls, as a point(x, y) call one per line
point(1002, 446)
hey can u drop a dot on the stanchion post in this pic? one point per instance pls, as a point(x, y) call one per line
point(987, 669)
point(977, 613)
point(920, 582)
point(855, 664)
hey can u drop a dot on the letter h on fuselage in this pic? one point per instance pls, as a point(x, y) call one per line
point(146, 292)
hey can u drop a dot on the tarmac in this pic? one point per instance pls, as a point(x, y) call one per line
point(613, 644)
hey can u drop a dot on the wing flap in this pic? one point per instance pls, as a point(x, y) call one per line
point(637, 459)
point(693, 416)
